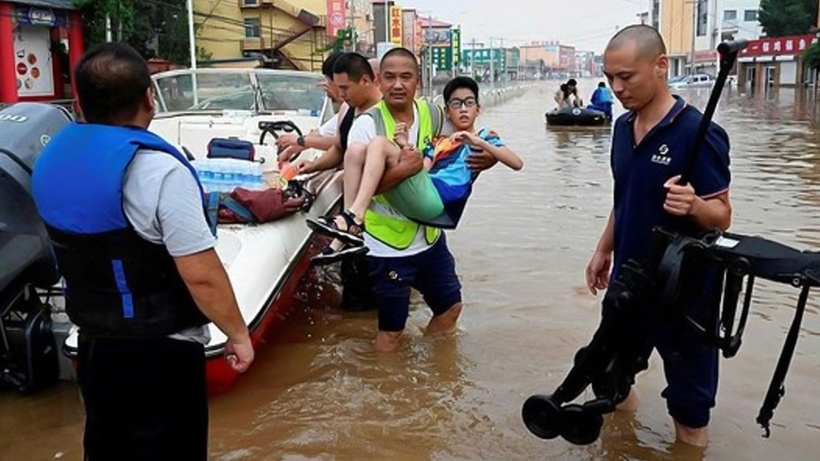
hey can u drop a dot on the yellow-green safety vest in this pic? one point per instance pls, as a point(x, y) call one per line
point(381, 221)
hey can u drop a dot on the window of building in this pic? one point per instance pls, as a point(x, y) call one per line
point(249, 2)
point(703, 17)
point(750, 15)
point(251, 27)
point(730, 15)
point(656, 13)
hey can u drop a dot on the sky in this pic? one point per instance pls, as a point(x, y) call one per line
point(586, 24)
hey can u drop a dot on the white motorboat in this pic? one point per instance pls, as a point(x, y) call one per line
point(266, 261)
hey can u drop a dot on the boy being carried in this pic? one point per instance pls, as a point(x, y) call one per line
point(436, 196)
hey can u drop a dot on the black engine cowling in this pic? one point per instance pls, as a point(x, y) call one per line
point(28, 353)
point(24, 246)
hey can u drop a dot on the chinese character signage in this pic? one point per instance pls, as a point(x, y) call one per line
point(779, 45)
point(395, 25)
point(442, 57)
point(336, 12)
point(408, 27)
point(456, 45)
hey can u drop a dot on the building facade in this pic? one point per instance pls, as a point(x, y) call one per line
point(556, 58)
point(692, 29)
point(286, 34)
point(774, 62)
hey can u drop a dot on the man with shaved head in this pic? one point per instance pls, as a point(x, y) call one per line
point(650, 144)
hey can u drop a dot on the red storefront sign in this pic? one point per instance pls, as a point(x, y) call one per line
point(793, 45)
point(336, 12)
point(706, 56)
point(395, 25)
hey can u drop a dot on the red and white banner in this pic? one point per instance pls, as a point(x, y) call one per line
point(793, 45)
point(408, 29)
point(336, 16)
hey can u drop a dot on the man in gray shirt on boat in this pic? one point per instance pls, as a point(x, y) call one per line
point(125, 212)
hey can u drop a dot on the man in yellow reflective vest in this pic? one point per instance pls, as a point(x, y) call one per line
point(404, 254)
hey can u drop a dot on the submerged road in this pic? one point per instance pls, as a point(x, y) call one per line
point(320, 393)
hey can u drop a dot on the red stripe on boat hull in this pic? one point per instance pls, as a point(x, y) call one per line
point(221, 378)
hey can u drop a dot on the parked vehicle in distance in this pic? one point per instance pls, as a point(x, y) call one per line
point(692, 81)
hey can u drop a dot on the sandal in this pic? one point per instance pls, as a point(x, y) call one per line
point(328, 255)
point(351, 234)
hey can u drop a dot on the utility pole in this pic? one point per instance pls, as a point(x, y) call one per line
point(472, 58)
point(492, 66)
point(503, 62)
point(387, 21)
point(694, 4)
point(351, 25)
point(430, 64)
point(192, 46)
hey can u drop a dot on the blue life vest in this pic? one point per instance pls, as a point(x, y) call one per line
point(117, 283)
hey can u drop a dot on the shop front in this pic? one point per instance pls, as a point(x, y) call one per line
point(774, 62)
point(41, 41)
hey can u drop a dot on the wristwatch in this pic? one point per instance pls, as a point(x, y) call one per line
point(301, 141)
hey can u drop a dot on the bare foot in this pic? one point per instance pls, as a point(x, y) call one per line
point(387, 341)
point(696, 437)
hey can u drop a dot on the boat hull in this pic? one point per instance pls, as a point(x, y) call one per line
point(576, 116)
point(221, 378)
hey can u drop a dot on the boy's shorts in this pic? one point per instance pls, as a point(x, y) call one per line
point(416, 197)
point(431, 272)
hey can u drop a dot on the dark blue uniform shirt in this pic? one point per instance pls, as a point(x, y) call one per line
point(641, 170)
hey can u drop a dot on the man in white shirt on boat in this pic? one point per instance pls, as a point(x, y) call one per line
point(355, 77)
point(323, 138)
point(126, 213)
point(326, 136)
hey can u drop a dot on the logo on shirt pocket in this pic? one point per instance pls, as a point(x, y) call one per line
point(662, 157)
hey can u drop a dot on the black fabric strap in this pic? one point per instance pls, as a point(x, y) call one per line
point(777, 388)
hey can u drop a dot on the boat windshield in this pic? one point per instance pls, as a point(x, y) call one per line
point(290, 92)
point(251, 90)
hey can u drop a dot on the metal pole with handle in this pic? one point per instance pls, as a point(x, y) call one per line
point(728, 55)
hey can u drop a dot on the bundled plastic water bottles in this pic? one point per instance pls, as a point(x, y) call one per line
point(224, 175)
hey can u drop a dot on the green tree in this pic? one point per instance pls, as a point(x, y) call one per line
point(781, 18)
point(155, 28)
point(812, 56)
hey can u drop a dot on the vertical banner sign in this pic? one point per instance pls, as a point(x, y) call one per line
point(395, 25)
point(419, 41)
point(336, 12)
point(455, 43)
point(408, 28)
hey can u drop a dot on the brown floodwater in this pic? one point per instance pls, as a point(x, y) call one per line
point(318, 391)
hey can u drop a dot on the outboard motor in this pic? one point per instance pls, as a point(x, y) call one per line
point(28, 356)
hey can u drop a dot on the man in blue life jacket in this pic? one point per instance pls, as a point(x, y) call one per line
point(602, 100)
point(650, 145)
point(125, 212)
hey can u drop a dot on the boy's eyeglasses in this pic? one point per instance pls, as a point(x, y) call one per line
point(458, 103)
